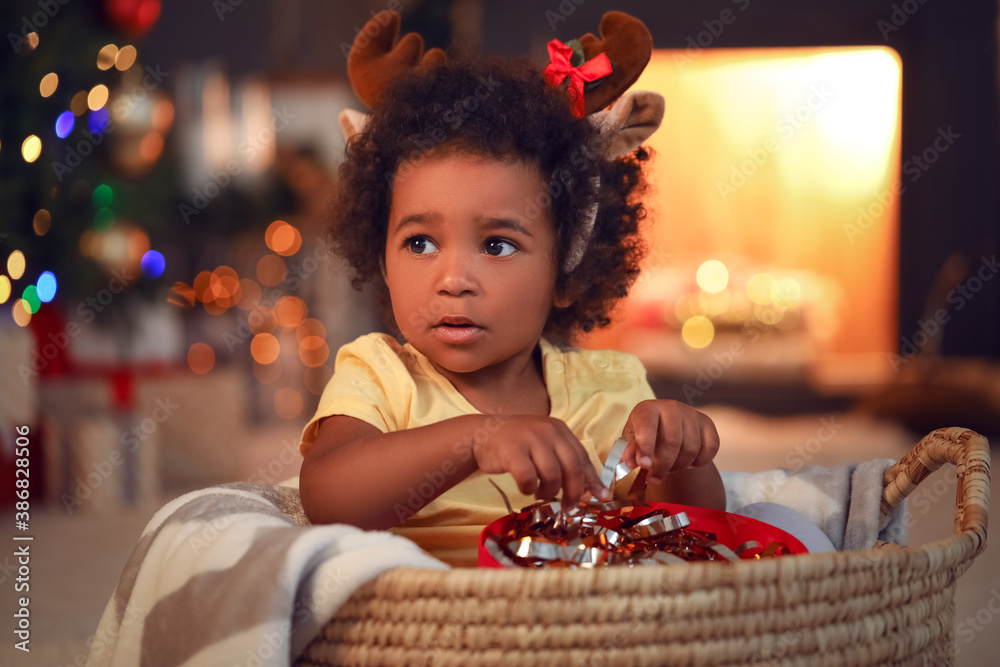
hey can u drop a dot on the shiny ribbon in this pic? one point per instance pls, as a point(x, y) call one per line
point(561, 66)
point(617, 532)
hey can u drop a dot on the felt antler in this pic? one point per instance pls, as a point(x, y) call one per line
point(625, 42)
point(376, 59)
point(622, 128)
point(628, 122)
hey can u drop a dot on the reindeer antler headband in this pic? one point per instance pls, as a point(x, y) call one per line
point(594, 72)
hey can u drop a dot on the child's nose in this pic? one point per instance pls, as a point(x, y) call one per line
point(456, 275)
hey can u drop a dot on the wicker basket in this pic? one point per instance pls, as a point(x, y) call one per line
point(886, 606)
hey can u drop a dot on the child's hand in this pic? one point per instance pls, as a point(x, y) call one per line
point(667, 436)
point(543, 456)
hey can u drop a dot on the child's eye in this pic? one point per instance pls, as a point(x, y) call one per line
point(420, 245)
point(499, 247)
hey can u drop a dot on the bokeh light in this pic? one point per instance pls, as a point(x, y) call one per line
point(201, 358)
point(138, 245)
point(15, 264)
point(288, 403)
point(41, 222)
point(786, 294)
point(213, 308)
point(264, 348)
point(202, 286)
point(271, 270)
point(21, 313)
point(4, 289)
point(98, 120)
point(30, 297)
point(313, 351)
point(31, 148)
point(125, 58)
point(283, 238)
point(46, 286)
point(97, 97)
point(64, 124)
point(714, 303)
point(759, 288)
point(48, 84)
point(698, 332)
point(78, 105)
point(163, 114)
point(768, 315)
point(310, 327)
point(289, 311)
point(713, 276)
point(152, 264)
point(151, 146)
point(103, 195)
point(106, 56)
point(224, 287)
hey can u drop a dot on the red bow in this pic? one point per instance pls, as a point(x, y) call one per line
point(561, 67)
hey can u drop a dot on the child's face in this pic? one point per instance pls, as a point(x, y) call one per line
point(471, 275)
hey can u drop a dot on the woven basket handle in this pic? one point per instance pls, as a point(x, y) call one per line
point(970, 453)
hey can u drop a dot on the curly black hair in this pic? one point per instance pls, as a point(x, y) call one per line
point(499, 109)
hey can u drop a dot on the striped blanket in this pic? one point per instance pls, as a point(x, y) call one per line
point(235, 575)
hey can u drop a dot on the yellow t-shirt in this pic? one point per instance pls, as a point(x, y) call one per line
point(394, 387)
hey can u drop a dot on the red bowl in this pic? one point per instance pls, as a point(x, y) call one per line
point(732, 530)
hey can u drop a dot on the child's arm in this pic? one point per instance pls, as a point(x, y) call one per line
point(676, 444)
point(354, 473)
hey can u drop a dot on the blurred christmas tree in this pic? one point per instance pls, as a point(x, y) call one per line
point(85, 178)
